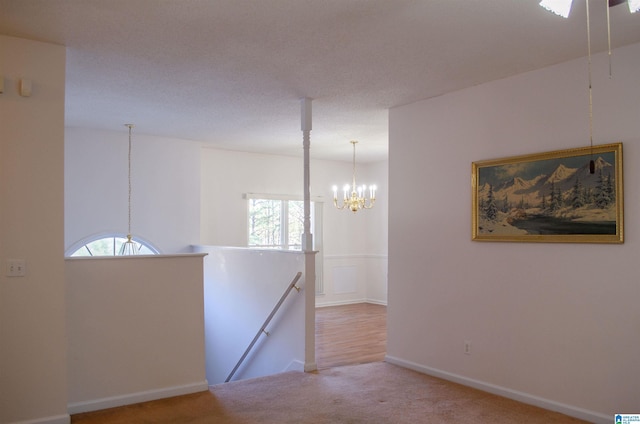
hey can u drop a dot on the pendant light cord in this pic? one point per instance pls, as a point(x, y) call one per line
point(129, 177)
point(591, 164)
point(609, 37)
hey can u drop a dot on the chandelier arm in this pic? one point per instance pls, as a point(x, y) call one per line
point(335, 203)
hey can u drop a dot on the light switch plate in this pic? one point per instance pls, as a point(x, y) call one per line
point(16, 268)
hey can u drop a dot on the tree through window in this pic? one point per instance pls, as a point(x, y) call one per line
point(108, 246)
point(276, 224)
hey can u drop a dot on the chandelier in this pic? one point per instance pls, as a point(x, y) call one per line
point(563, 7)
point(129, 247)
point(357, 199)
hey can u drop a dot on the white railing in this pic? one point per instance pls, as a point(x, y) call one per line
point(241, 287)
point(263, 329)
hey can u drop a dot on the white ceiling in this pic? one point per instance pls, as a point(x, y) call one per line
point(232, 72)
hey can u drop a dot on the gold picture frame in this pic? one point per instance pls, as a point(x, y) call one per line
point(550, 197)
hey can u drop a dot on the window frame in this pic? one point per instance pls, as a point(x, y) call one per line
point(317, 207)
point(284, 224)
point(83, 243)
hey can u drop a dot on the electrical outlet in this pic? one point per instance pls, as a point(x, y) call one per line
point(16, 268)
point(467, 347)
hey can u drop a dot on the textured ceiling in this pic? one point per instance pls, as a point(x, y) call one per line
point(232, 72)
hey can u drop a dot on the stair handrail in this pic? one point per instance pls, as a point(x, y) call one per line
point(291, 286)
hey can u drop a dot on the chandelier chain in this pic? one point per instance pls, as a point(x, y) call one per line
point(354, 164)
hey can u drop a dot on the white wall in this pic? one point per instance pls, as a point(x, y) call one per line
point(33, 371)
point(358, 240)
point(184, 194)
point(165, 187)
point(555, 324)
point(136, 329)
point(242, 286)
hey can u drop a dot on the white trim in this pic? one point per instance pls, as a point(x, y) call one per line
point(111, 258)
point(573, 411)
point(340, 302)
point(349, 302)
point(294, 365)
point(246, 196)
point(205, 249)
point(55, 419)
point(115, 401)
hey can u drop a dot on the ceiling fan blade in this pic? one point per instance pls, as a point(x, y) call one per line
point(559, 7)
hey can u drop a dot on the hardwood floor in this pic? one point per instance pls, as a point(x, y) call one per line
point(350, 334)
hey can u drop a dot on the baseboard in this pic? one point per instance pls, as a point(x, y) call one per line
point(340, 303)
point(572, 411)
point(294, 365)
point(310, 367)
point(56, 419)
point(350, 302)
point(139, 397)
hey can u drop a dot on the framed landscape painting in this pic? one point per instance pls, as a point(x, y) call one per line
point(569, 196)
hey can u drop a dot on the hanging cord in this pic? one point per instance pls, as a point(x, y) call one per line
point(129, 173)
point(592, 165)
point(609, 36)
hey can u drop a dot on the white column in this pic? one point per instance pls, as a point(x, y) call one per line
point(307, 247)
point(307, 238)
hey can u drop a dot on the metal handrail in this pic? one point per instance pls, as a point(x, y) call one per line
point(291, 286)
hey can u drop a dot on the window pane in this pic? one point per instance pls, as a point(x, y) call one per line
point(277, 224)
point(264, 223)
point(110, 246)
point(102, 247)
point(83, 251)
point(296, 224)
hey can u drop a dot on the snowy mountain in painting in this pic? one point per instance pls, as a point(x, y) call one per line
point(561, 173)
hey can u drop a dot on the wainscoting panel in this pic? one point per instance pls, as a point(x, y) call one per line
point(354, 279)
point(345, 279)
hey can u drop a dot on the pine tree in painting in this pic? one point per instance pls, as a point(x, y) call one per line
point(602, 199)
point(577, 195)
point(555, 198)
point(611, 193)
point(490, 208)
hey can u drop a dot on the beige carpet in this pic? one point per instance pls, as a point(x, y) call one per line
point(376, 393)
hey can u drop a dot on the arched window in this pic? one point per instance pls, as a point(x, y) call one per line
point(108, 245)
